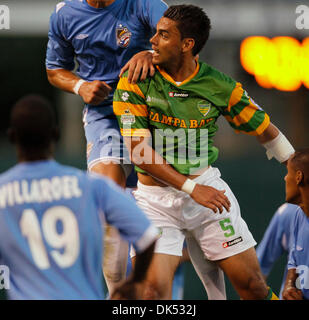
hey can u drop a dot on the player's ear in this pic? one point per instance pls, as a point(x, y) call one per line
point(299, 177)
point(11, 135)
point(188, 44)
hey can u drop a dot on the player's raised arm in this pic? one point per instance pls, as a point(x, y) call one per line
point(246, 116)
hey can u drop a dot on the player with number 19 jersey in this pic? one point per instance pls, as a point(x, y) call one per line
point(51, 237)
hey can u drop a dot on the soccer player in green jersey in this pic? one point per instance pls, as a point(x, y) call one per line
point(168, 123)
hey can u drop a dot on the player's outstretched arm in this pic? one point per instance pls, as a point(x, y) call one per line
point(134, 286)
point(160, 169)
point(93, 92)
point(139, 66)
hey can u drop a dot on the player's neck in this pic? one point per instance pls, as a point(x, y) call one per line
point(30, 155)
point(100, 4)
point(305, 199)
point(181, 70)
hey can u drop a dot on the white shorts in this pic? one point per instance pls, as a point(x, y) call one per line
point(178, 216)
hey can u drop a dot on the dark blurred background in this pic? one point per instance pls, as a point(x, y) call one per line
point(257, 183)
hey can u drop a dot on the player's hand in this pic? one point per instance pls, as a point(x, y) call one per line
point(139, 66)
point(94, 92)
point(292, 293)
point(211, 198)
point(129, 290)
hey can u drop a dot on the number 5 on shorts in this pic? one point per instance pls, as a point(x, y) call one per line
point(226, 225)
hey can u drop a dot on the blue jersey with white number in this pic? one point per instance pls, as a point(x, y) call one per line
point(299, 254)
point(51, 229)
point(101, 40)
point(277, 239)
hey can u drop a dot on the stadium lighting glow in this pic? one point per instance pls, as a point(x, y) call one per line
point(280, 62)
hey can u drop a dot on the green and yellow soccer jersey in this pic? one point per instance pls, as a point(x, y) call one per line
point(181, 118)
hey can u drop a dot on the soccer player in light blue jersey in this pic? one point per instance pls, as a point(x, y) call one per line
point(51, 217)
point(277, 239)
point(100, 37)
point(297, 192)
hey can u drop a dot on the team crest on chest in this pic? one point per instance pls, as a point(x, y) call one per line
point(123, 36)
point(204, 107)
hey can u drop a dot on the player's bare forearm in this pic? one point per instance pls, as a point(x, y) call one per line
point(93, 92)
point(62, 79)
point(269, 134)
point(156, 166)
point(276, 144)
point(151, 162)
point(290, 292)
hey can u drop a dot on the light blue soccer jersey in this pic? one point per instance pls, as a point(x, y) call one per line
point(51, 229)
point(277, 239)
point(101, 40)
point(299, 254)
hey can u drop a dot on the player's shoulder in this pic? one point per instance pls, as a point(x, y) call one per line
point(143, 85)
point(7, 175)
point(287, 209)
point(64, 8)
point(216, 75)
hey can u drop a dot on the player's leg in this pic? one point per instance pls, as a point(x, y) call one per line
point(105, 157)
point(159, 280)
point(244, 272)
point(209, 273)
point(226, 238)
point(163, 208)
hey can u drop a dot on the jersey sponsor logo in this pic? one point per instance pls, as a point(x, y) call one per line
point(204, 107)
point(232, 242)
point(178, 122)
point(178, 95)
point(123, 36)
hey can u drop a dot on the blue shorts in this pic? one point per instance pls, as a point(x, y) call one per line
point(105, 143)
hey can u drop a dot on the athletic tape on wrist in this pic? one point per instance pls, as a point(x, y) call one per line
point(188, 186)
point(279, 148)
point(77, 86)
